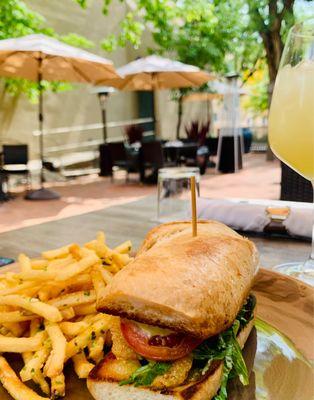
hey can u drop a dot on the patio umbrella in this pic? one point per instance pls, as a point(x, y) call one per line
point(39, 57)
point(155, 73)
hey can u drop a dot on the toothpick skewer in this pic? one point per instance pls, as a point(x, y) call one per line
point(193, 203)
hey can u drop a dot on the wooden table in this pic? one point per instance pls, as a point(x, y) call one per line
point(128, 221)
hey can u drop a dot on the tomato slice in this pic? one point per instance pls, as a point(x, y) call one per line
point(158, 347)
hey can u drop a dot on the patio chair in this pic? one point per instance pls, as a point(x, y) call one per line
point(152, 157)
point(294, 187)
point(120, 158)
point(14, 161)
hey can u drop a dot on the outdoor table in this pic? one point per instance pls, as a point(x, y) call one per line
point(3, 195)
point(175, 150)
point(132, 221)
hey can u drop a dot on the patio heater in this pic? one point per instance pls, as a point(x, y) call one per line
point(230, 141)
point(103, 93)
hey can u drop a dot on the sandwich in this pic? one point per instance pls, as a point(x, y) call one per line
point(182, 311)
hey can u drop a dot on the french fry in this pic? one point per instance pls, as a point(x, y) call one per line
point(56, 253)
point(68, 313)
point(24, 263)
point(15, 316)
point(113, 268)
point(21, 344)
point(17, 289)
point(98, 282)
point(16, 328)
point(58, 386)
point(101, 249)
point(37, 376)
point(81, 341)
point(82, 366)
point(76, 298)
point(35, 326)
point(43, 294)
point(51, 300)
point(59, 263)
point(95, 349)
point(76, 268)
point(101, 237)
point(13, 385)
point(36, 275)
point(73, 328)
point(75, 252)
point(85, 309)
point(39, 379)
point(106, 275)
point(35, 362)
point(124, 247)
point(32, 304)
point(54, 364)
point(121, 259)
point(90, 318)
point(39, 263)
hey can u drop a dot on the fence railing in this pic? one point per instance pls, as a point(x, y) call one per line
point(90, 127)
point(86, 129)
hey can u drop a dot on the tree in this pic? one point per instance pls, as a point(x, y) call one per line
point(271, 19)
point(16, 19)
point(202, 33)
point(212, 34)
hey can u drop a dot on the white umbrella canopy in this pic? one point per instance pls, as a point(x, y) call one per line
point(33, 55)
point(39, 57)
point(155, 72)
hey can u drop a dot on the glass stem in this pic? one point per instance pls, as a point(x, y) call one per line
point(308, 265)
point(312, 250)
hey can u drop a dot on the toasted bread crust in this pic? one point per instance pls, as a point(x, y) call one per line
point(195, 285)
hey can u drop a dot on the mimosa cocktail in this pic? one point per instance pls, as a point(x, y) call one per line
point(291, 119)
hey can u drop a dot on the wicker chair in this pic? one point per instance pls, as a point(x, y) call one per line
point(294, 187)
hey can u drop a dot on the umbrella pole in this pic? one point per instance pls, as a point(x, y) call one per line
point(179, 116)
point(41, 134)
point(42, 193)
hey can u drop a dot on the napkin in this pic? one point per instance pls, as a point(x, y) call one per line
point(251, 216)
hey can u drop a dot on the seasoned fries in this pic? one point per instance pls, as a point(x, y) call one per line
point(48, 314)
point(20, 345)
point(54, 364)
point(34, 305)
point(13, 385)
point(82, 366)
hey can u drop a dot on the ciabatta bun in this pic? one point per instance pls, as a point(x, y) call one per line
point(205, 389)
point(195, 285)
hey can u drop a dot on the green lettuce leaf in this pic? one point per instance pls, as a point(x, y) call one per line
point(145, 375)
point(227, 348)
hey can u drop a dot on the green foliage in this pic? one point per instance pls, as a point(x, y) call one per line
point(75, 40)
point(16, 20)
point(258, 99)
point(145, 375)
point(131, 32)
point(213, 35)
point(217, 35)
